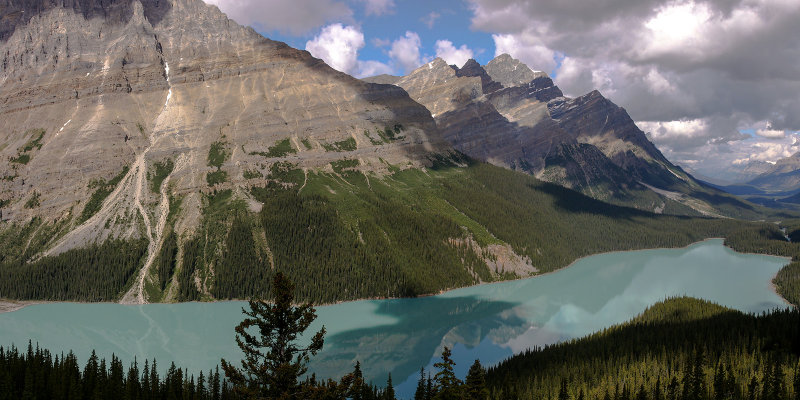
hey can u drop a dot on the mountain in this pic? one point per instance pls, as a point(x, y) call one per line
point(155, 150)
point(777, 185)
point(507, 114)
point(734, 174)
point(111, 109)
point(783, 176)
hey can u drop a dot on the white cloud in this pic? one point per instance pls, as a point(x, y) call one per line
point(770, 152)
point(430, 19)
point(675, 25)
point(379, 43)
point(338, 45)
point(768, 132)
point(527, 49)
point(405, 52)
point(727, 64)
point(378, 7)
point(372, 68)
point(296, 17)
point(451, 54)
point(658, 130)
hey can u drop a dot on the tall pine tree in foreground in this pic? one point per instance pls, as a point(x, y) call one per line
point(273, 360)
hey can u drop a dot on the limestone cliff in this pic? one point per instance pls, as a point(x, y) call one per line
point(96, 96)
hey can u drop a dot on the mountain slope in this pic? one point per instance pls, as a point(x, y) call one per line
point(96, 96)
point(511, 116)
point(157, 151)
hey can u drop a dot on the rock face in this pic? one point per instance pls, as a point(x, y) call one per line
point(511, 72)
point(91, 90)
point(511, 116)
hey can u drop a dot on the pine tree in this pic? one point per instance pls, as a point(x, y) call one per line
point(90, 376)
point(796, 383)
point(155, 382)
point(419, 394)
point(146, 391)
point(430, 388)
point(273, 360)
point(388, 393)
point(752, 389)
point(215, 385)
point(132, 384)
point(563, 394)
point(657, 393)
point(642, 394)
point(673, 389)
point(359, 390)
point(447, 385)
point(475, 385)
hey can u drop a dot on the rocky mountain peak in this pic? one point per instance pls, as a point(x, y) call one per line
point(472, 69)
point(509, 71)
point(96, 94)
point(14, 13)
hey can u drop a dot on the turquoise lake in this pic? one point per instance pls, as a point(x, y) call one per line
point(490, 322)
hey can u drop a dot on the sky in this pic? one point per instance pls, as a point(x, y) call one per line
point(715, 84)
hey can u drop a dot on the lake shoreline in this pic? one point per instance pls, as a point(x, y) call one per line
point(8, 305)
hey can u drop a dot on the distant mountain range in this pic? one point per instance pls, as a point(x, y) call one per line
point(777, 185)
point(165, 130)
point(506, 114)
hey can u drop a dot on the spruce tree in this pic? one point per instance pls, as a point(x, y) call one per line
point(796, 383)
point(273, 360)
point(430, 389)
point(447, 385)
point(419, 394)
point(475, 384)
point(388, 393)
point(563, 394)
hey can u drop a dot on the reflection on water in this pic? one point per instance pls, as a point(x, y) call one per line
point(489, 322)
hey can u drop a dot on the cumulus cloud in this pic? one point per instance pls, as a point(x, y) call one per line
point(405, 52)
point(527, 49)
point(767, 151)
point(770, 133)
point(296, 17)
point(730, 64)
point(378, 7)
point(451, 54)
point(338, 45)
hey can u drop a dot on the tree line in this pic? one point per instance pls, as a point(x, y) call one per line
point(679, 349)
point(349, 235)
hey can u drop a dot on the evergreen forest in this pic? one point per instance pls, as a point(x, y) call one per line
point(681, 348)
point(359, 235)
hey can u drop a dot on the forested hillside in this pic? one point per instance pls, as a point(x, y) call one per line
point(781, 240)
point(348, 234)
point(678, 349)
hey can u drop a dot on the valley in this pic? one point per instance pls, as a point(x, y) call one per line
point(162, 164)
point(491, 322)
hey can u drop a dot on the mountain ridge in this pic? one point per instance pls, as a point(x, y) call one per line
point(193, 157)
point(507, 114)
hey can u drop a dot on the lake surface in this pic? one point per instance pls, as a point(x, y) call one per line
point(489, 322)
